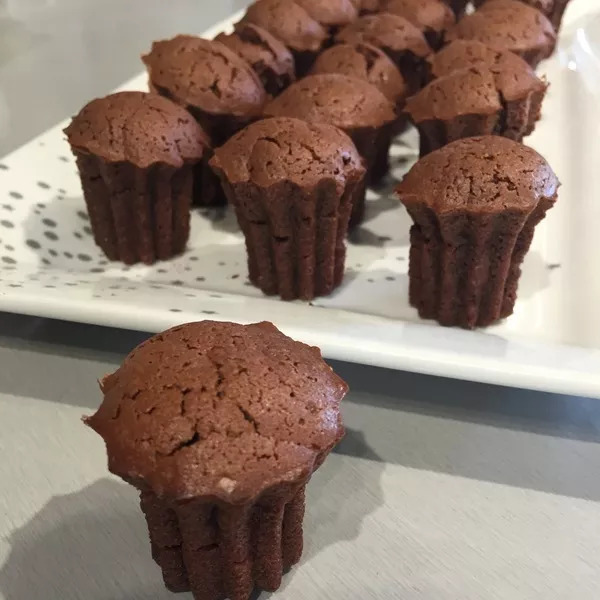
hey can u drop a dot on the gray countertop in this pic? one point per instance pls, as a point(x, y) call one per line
point(442, 490)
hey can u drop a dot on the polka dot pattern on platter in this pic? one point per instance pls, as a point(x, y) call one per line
point(47, 247)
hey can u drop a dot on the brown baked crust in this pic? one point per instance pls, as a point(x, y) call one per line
point(365, 62)
point(432, 17)
point(404, 43)
point(346, 102)
point(138, 128)
point(498, 94)
point(469, 91)
point(220, 426)
point(515, 79)
point(475, 204)
point(552, 9)
point(333, 13)
point(293, 185)
point(461, 54)
point(218, 87)
point(288, 22)
point(351, 104)
point(136, 155)
point(493, 164)
point(205, 74)
point(391, 33)
point(285, 149)
point(509, 25)
point(219, 411)
point(268, 56)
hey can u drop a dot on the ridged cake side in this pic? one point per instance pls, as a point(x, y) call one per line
point(225, 551)
point(137, 215)
point(295, 238)
point(465, 269)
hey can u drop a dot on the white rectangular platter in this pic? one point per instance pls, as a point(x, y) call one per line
point(50, 267)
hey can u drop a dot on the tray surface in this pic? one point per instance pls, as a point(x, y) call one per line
point(50, 267)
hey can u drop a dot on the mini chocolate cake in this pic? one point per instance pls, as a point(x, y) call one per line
point(397, 37)
point(137, 154)
point(508, 25)
point(292, 25)
point(368, 63)
point(553, 9)
point(293, 185)
point(220, 427)
point(270, 58)
point(353, 105)
point(217, 86)
point(500, 95)
point(432, 17)
point(475, 204)
point(462, 54)
point(332, 14)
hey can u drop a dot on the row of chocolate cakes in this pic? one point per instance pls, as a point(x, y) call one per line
point(292, 114)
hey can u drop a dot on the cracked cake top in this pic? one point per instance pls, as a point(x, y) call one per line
point(219, 410)
point(288, 22)
point(366, 62)
point(137, 127)
point(479, 175)
point(204, 75)
point(284, 149)
point(514, 78)
point(269, 57)
point(507, 25)
point(334, 98)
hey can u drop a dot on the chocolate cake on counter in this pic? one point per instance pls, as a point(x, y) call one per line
point(220, 427)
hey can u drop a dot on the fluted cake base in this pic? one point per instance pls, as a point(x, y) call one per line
point(295, 237)
point(137, 215)
point(464, 269)
point(219, 551)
